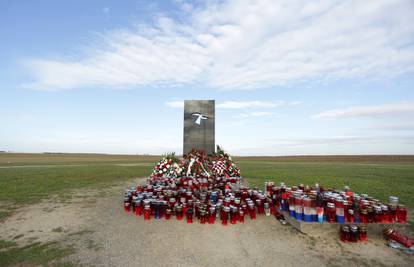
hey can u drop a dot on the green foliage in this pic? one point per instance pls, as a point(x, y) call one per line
point(171, 156)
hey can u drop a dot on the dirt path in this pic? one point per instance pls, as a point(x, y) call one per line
point(104, 235)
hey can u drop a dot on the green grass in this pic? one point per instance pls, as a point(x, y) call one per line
point(46, 175)
point(379, 176)
point(33, 254)
point(31, 184)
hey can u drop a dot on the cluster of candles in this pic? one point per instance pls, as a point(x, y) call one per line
point(316, 204)
point(206, 199)
point(353, 233)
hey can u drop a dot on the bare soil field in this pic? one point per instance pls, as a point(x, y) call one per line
point(93, 223)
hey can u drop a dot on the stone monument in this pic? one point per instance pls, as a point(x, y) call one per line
point(199, 125)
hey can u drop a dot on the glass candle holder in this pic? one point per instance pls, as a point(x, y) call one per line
point(354, 234)
point(346, 208)
point(241, 216)
point(385, 214)
point(178, 212)
point(298, 207)
point(147, 212)
point(364, 216)
point(292, 205)
point(156, 206)
point(233, 218)
point(252, 212)
point(330, 212)
point(319, 214)
point(225, 215)
point(371, 214)
point(267, 209)
point(396, 236)
point(127, 204)
point(307, 213)
point(339, 209)
point(392, 213)
point(212, 215)
point(401, 214)
point(189, 215)
point(202, 216)
point(344, 233)
point(363, 234)
point(351, 217)
point(378, 214)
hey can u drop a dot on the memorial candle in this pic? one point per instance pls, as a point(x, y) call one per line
point(401, 214)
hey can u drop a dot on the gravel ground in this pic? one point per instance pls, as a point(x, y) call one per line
point(104, 235)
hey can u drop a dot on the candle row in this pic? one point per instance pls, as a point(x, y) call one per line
point(317, 204)
point(353, 233)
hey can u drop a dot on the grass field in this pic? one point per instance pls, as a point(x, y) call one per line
point(27, 178)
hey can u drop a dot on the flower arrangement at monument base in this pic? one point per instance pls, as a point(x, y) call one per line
point(169, 165)
point(198, 187)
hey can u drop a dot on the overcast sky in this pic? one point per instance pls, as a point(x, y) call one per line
point(289, 77)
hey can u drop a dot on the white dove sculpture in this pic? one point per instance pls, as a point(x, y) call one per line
point(199, 117)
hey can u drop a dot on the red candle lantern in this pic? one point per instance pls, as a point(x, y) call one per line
point(241, 216)
point(351, 216)
point(330, 212)
point(225, 215)
point(202, 216)
point(401, 214)
point(212, 215)
point(267, 208)
point(138, 207)
point(385, 214)
point(178, 212)
point(252, 211)
point(147, 212)
point(392, 213)
point(127, 204)
point(233, 213)
point(354, 234)
point(378, 214)
point(346, 208)
point(396, 236)
point(168, 212)
point(362, 234)
point(344, 233)
point(189, 215)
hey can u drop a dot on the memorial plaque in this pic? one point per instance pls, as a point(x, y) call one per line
point(199, 128)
